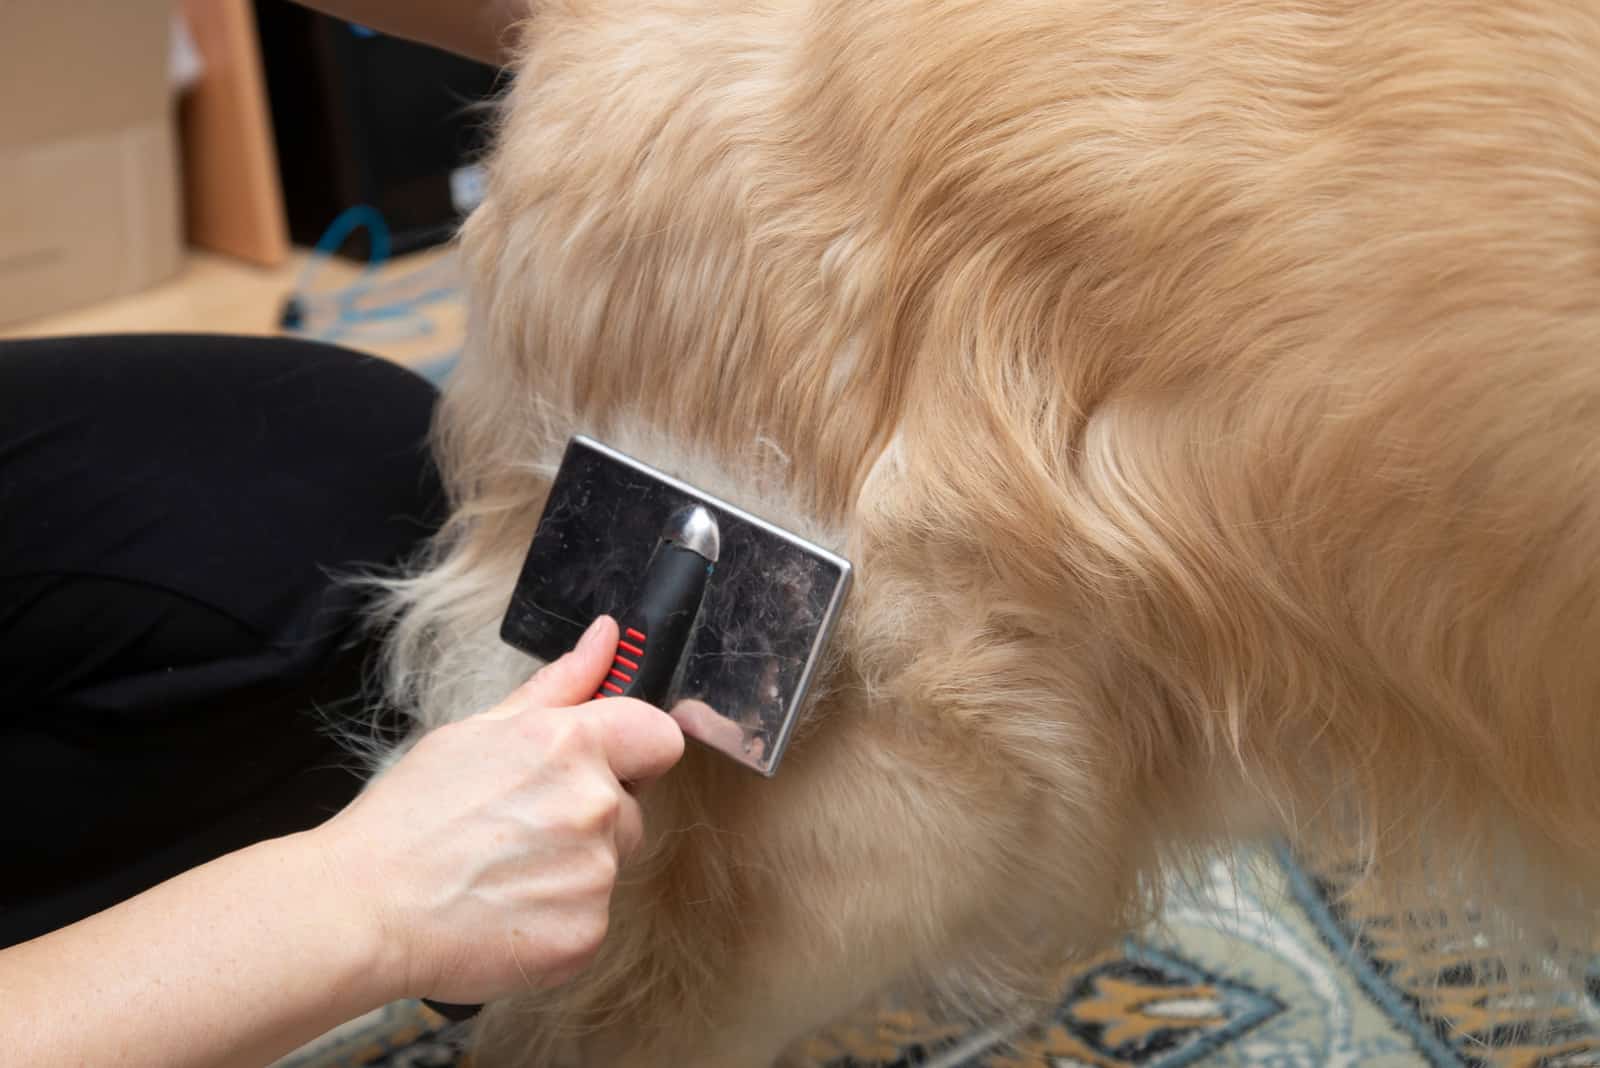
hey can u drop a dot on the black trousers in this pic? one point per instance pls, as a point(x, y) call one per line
point(175, 516)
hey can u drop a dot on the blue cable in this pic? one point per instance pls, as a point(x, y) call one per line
point(351, 309)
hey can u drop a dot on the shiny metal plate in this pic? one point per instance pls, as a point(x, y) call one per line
point(769, 608)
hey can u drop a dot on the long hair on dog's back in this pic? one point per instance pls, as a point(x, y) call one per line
point(1209, 398)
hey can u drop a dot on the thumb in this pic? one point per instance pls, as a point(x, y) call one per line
point(573, 678)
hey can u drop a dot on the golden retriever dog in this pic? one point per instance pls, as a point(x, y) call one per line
point(1207, 394)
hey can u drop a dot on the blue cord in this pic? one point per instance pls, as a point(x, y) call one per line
point(354, 310)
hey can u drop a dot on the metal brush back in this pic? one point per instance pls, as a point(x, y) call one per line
point(767, 615)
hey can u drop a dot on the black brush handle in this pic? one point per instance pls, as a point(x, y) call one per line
point(656, 628)
point(654, 632)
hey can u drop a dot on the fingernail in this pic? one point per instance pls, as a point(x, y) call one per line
point(591, 634)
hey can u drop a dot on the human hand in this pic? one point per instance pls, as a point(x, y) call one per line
point(486, 856)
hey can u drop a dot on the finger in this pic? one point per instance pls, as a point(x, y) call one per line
point(629, 828)
point(574, 678)
point(640, 741)
point(700, 721)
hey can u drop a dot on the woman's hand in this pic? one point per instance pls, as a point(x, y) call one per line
point(480, 863)
point(487, 854)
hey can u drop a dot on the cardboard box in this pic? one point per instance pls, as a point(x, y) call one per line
point(90, 198)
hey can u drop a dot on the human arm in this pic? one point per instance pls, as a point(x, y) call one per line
point(478, 29)
point(480, 863)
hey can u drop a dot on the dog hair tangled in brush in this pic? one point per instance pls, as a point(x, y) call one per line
point(1208, 396)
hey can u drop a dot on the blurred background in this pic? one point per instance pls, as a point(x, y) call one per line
point(246, 166)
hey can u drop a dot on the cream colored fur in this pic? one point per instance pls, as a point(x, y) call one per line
point(1207, 393)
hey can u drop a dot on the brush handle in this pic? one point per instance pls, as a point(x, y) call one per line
point(655, 629)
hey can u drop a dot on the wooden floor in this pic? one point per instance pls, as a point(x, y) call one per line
point(215, 294)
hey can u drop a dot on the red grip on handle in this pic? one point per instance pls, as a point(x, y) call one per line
point(620, 662)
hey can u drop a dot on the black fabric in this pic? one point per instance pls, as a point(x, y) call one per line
point(176, 513)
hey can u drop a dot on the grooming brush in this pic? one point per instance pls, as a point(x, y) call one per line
point(725, 616)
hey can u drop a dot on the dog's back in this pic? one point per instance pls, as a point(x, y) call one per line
point(1209, 395)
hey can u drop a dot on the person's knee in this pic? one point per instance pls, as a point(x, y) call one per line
point(248, 475)
point(344, 446)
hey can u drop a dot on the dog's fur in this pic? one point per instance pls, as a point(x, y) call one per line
point(1207, 393)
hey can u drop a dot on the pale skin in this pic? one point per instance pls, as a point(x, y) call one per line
point(480, 864)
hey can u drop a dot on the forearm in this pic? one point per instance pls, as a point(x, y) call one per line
point(480, 29)
point(237, 962)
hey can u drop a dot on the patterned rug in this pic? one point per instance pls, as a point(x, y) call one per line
point(1259, 967)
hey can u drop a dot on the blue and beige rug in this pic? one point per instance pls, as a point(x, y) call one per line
point(1259, 967)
